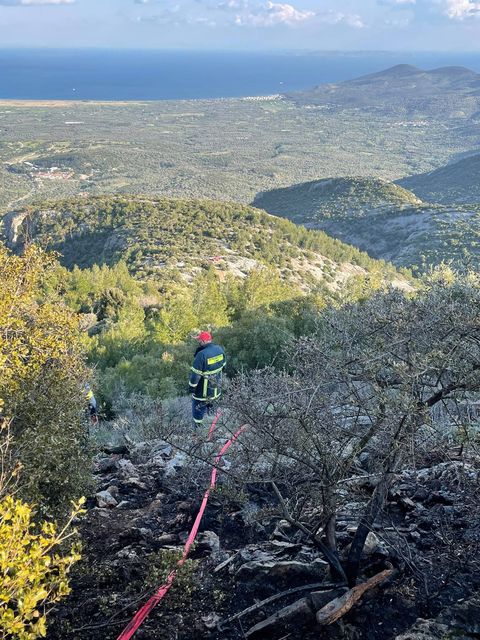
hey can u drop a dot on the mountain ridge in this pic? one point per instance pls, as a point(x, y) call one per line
point(345, 195)
point(176, 238)
point(457, 182)
point(445, 92)
point(409, 233)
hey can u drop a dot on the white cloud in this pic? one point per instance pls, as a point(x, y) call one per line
point(461, 9)
point(252, 13)
point(398, 3)
point(337, 17)
point(175, 17)
point(233, 5)
point(452, 9)
point(271, 13)
point(267, 14)
point(33, 3)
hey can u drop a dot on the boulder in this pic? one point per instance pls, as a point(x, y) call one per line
point(282, 530)
point(282, 547)
point(178, 461)
point(128, 553)
point(127, 469)
point(106, 465)
point(146, 451)
point(154, 506)
point(211, 621)
point(105, 499)
point(283, 570)
point(167, 539)
point(162, 448)
point(133, 483)
point(425, 630)
point(250, 554)
point(113, 490)
point(158, 461)
point(372, 543)
point(208, 541)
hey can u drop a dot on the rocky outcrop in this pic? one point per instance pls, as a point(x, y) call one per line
point(12, 223)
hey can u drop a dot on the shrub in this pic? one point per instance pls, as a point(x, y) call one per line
point(33, 573)
point(34, 558)
point(43, 373)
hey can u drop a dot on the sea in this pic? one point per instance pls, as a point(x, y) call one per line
point(118, 75)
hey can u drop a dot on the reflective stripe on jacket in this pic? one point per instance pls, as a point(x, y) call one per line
point(206, 372)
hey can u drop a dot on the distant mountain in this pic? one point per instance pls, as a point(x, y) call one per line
point(448, 92)
point(171, 238)
point(388, 222)
point(455, 183)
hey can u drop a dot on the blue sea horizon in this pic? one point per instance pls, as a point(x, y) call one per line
point(129, 75)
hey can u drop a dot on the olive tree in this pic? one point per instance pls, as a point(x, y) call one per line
point(358, 404)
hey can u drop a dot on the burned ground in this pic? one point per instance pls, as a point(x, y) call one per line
point(429, 534)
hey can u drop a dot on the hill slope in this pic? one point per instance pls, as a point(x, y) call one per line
point(388, 224)
point(170, 238)
point(458, 182)
point(348, 197)
point(448, 92)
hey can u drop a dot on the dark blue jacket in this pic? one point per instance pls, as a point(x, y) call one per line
point(206, 372)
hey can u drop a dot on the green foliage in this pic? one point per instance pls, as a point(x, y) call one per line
point(184, 586)
point(347, 197)
point(386, 220)
point(261, 288)
point(41, 362)
point(177, 266)
point(33, 570)
point(139, 331)
point(157, 235)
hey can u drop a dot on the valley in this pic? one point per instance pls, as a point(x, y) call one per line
point(219, 149)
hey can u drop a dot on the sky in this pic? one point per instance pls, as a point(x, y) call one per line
point(406, 25)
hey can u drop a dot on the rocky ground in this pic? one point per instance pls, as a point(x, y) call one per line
point(148, 495)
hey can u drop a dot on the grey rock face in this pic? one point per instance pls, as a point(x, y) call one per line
point(105, 499)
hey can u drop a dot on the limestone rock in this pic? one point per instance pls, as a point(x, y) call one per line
point(178, 461)
point(126, 469)
point(106, 465)
point(208, 541)
point(287, 570)
point(105, 499)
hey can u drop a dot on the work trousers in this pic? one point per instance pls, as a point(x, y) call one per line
point(200, 408)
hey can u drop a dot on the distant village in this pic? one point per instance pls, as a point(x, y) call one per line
point(46, 173)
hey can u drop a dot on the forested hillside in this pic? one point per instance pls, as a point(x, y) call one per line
point(385, 220)
point(349, 197)
point(145, 273)
point(172, 238)
point(456, 183)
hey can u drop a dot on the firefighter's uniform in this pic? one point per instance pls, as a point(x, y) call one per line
point(206, 379)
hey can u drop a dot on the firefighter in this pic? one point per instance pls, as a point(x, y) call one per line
point(92, 404)
point(205, 377)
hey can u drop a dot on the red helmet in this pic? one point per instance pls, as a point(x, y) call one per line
point(204, 336)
